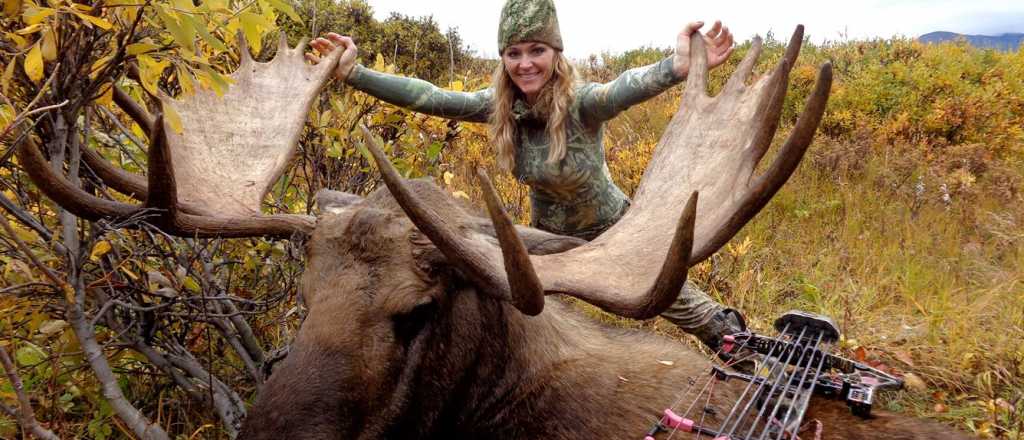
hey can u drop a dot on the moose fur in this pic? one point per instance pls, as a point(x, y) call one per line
point(397, 345)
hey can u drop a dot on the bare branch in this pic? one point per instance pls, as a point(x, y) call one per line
point(31, 256)
point(131, 416)
point(25, 218)
point(23, 116)
point(26, 417)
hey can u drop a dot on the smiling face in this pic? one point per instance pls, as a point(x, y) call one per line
point(530, 65)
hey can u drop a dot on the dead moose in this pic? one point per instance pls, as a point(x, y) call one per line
point(428, 322)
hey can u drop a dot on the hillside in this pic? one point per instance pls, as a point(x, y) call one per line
point(1004, 42)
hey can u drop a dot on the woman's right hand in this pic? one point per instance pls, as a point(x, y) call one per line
point(335, 42)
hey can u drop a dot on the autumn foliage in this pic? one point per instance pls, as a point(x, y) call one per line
point(904, 222)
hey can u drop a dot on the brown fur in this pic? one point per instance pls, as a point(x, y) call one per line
point(362, 367)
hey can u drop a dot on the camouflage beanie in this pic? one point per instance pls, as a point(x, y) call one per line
point(529, 20)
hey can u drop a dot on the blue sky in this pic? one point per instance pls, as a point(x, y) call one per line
point(593, 26)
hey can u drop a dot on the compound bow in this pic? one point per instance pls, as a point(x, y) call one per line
point(791, 367)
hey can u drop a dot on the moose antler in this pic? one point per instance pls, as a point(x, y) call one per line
point(712, 146)
point(210, 179)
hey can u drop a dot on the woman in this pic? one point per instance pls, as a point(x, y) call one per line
point(548, 127)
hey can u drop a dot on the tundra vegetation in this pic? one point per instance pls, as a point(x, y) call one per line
point(904, 222)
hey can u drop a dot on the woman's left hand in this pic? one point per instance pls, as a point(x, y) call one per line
point(718, 42)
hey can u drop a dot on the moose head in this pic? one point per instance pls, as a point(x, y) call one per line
point(428, 321)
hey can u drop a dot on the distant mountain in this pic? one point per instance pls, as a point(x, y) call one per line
point(1005, 42)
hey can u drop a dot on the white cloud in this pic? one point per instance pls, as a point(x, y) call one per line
point(590, 26)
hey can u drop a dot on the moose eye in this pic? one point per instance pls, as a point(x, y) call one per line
point(409, 324)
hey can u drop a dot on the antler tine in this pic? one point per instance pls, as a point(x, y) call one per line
point(796, 42)
point(282, 43)
point(123, 181)
point(68, 196)
point(770, 105)
point(244, 56)
point(625, 297)
point(301, 47)
point(164, 193)
point(739, 78)
point(524, 285)
point(90, 207)
point(133, 109)
point(697, 78)
point(472, 262)
point(674, 268)
point(284, 49)
point(764, 187)
point(769, 110)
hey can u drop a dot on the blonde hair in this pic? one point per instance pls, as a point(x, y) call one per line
point(553, 104)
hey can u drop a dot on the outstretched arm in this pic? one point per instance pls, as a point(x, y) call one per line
point(603, 101)
point(411, 93)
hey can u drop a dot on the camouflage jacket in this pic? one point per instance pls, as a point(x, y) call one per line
point(574, 197)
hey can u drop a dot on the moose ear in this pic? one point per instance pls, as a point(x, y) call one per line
point(328, 201)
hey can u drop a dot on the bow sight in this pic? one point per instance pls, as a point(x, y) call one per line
point(789, 368)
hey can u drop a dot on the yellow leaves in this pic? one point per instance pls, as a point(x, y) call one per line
point(283, 6)
point(18, 40)
point(100, 249)
point(34, 63)
point(81, 7)
point(89, 20)
point(185, 80)
point(173, 119)
point(182, 34)
point(98, 66)
point(200, 28)
point(5, 80)
point(150, 71)
point(11, 7)
point(107, 97)
point(34, 15)
point(7, 116)
point(213, 80)
point(30, 29)
point(128, 272)
point(218, 6)
point(141, 48)
point(27, 236)
point(183, 5)
point(253, 26)
point(49, 44)
point(191, 284)
point(457, 86)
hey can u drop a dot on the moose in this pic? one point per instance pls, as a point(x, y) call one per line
point(427, 321)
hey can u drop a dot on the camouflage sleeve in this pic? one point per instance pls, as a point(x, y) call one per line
point(602, 102)
point(422, 96)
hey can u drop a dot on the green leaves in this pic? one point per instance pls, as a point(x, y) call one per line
point(283, 6)
point(184, 35)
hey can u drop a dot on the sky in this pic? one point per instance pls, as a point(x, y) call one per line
point(595, 26)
